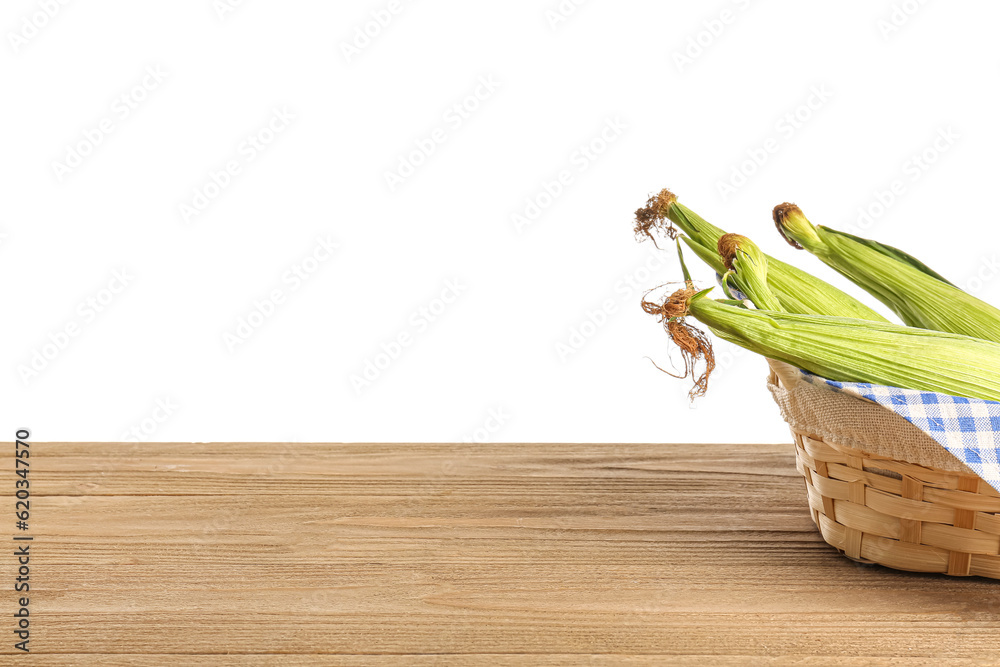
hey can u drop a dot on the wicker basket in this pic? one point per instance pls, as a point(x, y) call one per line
point(897, 514)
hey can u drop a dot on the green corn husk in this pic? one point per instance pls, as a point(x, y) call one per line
point(836, 348)
point(748, 268)
point(796, 290)
point(921, 297)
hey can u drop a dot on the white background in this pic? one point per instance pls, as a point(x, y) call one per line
point(687, 116)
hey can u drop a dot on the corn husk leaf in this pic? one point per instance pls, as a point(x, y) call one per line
point(894, 253)
point(796, 290)
point(916, 294)
point(852, 350)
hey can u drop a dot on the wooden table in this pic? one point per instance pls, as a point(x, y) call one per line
point(419, 554)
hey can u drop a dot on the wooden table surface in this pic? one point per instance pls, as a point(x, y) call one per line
point(420, 554)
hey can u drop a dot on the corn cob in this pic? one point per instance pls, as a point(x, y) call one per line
point(796, 290)
point(747, 266)
point(836, 348)
point(921, 297)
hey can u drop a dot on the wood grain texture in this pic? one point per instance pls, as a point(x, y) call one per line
point(308, 554)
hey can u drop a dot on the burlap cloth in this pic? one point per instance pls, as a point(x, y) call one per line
point(854, 422)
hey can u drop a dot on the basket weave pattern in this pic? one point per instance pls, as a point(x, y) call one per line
point(877, 509)
point(898, 514)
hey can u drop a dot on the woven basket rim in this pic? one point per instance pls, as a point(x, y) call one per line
point(788, 377)
point(907, 516)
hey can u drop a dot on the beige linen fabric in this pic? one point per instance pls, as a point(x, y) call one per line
point(851, 421)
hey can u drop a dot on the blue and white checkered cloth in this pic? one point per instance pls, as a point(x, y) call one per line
point(969, 428)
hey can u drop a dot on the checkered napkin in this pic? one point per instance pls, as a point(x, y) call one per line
point(969, 428)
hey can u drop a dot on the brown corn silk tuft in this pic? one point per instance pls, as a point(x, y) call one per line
point(653, 216)
point(728, 245)
point(780, 211)
point(693, 343)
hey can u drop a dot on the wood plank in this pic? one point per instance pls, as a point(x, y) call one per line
point(248, 554)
